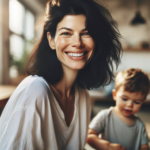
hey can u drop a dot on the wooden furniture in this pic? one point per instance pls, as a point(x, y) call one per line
point(5, 92)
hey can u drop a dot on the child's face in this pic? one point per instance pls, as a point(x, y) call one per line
point(128, 103)
point(74, 46)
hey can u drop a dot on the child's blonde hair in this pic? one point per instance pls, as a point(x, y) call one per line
point(133, 80)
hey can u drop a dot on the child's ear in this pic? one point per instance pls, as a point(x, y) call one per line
point(114, 94)
point(51, 41)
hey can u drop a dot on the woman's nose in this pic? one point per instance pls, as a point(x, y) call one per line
point(77, 41)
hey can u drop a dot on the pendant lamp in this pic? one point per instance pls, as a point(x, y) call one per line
point(138, 19)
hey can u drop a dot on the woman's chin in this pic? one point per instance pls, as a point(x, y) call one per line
point(76, 67)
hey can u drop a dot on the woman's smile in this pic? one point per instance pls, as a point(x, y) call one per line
point(76, 54)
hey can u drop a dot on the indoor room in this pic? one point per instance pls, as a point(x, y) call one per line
point(20, 28)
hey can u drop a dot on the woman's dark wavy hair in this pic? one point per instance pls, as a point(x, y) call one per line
point(103, 30)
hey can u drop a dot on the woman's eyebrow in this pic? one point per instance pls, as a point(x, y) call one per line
point(70, 29)
point(85, 29)
point(65, 29)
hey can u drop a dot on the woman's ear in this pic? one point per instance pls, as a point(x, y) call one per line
point(51, 41)
point(114, 94)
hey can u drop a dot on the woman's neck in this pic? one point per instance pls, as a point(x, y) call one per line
point(64, 87)
point(68, 80)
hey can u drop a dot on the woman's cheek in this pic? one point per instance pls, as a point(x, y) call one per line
point(91, 43)
point(61, 43)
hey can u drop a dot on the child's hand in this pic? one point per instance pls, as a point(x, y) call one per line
point(113, 146)
point(144, 147)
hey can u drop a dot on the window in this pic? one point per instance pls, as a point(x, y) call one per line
point(21, 25)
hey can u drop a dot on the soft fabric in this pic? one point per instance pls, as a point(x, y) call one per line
point(116, 131)
point(33, 119)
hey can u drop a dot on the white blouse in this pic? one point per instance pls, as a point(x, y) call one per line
point(33, 120)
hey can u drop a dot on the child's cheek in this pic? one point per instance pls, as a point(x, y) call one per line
point(137, 108)
point(122, 103)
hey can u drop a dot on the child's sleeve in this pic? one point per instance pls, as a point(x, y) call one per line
point(144, 137)
point(98, 122)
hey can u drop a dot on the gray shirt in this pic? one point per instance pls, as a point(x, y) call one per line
point(116, 131)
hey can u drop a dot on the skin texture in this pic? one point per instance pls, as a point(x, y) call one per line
point(127, 104)
point(71, 37)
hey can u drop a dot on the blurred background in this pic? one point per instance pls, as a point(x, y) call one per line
point(17, 34)
point(17, 37)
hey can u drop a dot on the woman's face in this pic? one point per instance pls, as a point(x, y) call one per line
point(72, 42)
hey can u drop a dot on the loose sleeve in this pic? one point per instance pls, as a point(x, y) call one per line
point(22, 131)
point(26, 122)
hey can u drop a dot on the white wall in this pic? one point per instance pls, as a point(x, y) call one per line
point(123, 11)
point(135, 59)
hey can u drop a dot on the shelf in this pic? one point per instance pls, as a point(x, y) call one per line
point(136, 49)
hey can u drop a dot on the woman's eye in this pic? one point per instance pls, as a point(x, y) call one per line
point(65, 33)
point(85, 33)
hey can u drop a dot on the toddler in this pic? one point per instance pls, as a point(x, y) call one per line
point(120, 129)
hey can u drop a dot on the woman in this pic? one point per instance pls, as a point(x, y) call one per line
point(50, 109)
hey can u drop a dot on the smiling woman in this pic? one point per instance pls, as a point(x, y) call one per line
point(72, 42)
point(97, 24)
point(50, 109)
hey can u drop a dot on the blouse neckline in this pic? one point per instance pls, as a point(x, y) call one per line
point(61, 113)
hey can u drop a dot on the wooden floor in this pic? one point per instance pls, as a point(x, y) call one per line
point(5, 92)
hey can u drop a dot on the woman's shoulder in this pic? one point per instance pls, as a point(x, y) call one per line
point(34, 83)
point(31, 90)
point(34, 79)
point(31, 96)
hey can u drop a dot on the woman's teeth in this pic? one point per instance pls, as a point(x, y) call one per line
point(76, 54)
